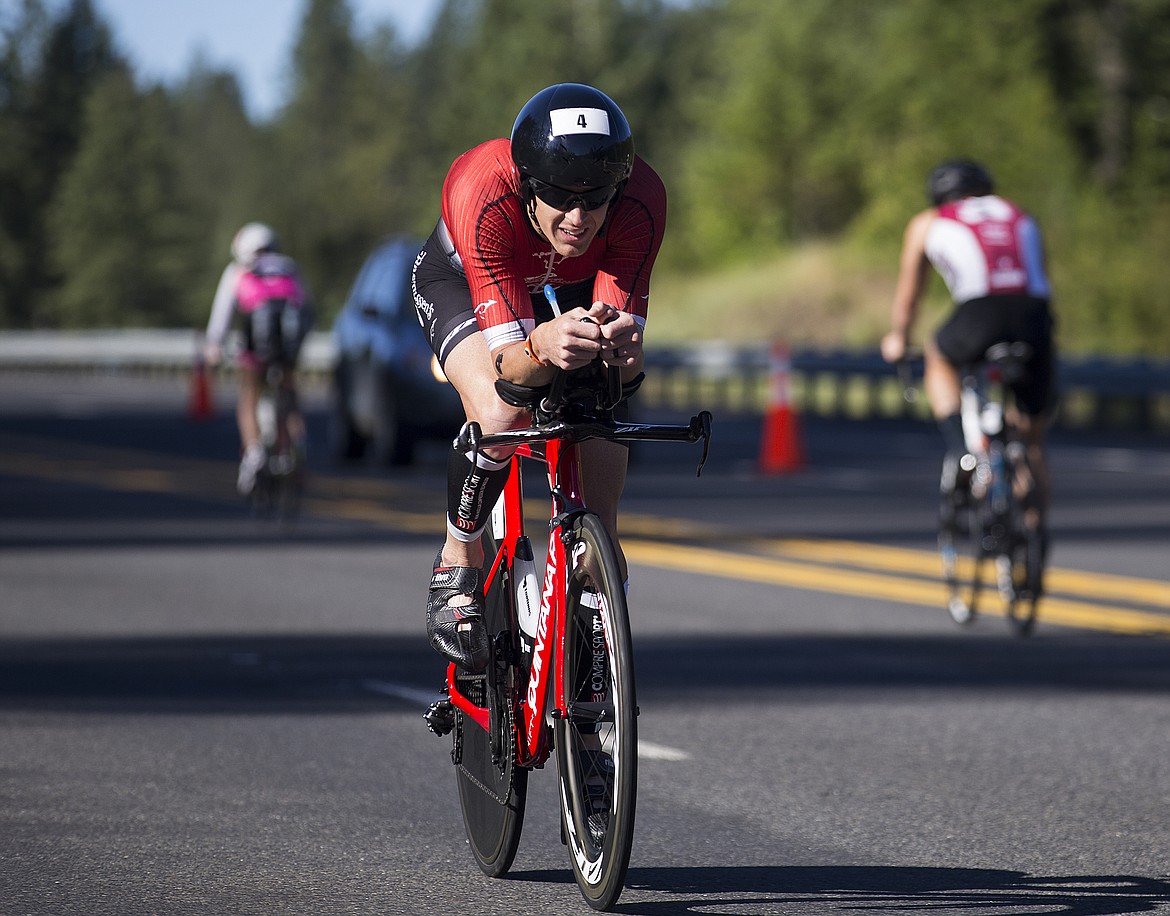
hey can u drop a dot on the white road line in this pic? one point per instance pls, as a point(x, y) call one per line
point(402, 691)
point(647, 750)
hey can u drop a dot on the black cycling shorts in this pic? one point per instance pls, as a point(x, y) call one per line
point(979, 323)
point(442, 297)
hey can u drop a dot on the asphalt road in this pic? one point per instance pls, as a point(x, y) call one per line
point(202, 713)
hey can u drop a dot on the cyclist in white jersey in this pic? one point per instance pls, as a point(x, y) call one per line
point(991, 255)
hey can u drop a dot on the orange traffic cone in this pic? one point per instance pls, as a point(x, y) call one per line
point(781, 448)
point(199, 401)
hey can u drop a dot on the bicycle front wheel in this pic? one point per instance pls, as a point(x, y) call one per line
point(597, 740)
point(492, 787)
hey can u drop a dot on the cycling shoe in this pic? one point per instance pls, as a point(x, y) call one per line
point(459, 633)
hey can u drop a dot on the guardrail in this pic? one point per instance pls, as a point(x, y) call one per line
point(127, 352)
point(1096, 392)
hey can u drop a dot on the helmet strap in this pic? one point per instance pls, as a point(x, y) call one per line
point(530, 207)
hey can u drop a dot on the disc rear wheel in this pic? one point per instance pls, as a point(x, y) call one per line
point(492, 788)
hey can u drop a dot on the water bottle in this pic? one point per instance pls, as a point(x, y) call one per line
point(527, 594)
point(972, 421)
point(991, 419)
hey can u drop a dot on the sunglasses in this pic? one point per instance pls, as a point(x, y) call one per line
point(565, 200)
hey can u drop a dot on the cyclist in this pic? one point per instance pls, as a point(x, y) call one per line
point(565, 202)
point(264, 286)
point(991, 255)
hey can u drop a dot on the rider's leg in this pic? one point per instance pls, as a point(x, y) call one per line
point(469, 369)
point(1033, 430)
point(293, 434)
point(454, 604)
point(247, 399)
point(942, 391)
point(603, 473)
point(254, 454)
point(941, 382)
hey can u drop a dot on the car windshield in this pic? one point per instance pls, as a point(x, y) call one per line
point(384, 285)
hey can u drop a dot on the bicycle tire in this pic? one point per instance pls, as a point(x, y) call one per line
point(1021, 610)
point(597, 741)
point(1027, 565)
point(960, 545)
point(1020, 563)
point(263, 496)
point(492, 788)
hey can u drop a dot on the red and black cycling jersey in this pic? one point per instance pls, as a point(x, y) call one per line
point(506, 261)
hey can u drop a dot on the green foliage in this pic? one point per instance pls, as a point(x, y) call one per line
point(794, 137)
point(119, 222)
point(49, 70)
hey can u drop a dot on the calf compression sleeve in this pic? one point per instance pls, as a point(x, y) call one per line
point(472, 490)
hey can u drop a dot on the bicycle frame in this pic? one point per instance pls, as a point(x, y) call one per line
point(561, 441)
point(985, 431)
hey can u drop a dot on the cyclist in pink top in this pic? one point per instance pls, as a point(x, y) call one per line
point(564, 202)
point(265, 288)
point(991, 256)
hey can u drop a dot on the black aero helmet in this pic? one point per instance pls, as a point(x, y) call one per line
point(957, 178)
point(572, 136)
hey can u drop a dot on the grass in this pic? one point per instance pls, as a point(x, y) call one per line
point(823, 295)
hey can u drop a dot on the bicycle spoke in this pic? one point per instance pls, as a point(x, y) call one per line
point(596, 742)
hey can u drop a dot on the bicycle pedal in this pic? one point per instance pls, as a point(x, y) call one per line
point(440, 717)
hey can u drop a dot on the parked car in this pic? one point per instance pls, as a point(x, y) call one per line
point(388, 389)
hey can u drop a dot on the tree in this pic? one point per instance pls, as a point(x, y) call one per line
point(311, 198)
point(120, 226)
point(220, 162)
point(43, 108)
point(22, 35)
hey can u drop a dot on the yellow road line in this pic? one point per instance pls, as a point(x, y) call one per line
point(817, 565)
point(1101, 586)
point(839, 581)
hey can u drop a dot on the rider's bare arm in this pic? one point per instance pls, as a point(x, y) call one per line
point(912, 273)
point(572, 341)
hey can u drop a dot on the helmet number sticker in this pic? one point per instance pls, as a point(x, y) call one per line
point(579, 121)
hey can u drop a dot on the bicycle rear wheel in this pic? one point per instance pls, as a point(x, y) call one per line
point(492, 787)
point(597, 741)
point(960, 547)
point(1027, 565)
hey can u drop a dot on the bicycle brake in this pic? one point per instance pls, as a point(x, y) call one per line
point(701, 429)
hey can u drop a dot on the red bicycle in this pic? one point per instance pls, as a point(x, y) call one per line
point(562, 678)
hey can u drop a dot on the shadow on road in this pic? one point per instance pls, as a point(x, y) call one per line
point(243, 674)
point(891, 890)
point(961, 661)
point(219, 674)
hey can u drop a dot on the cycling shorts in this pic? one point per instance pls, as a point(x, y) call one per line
point(273, 334)
point(442, 297)
point(977, 324)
